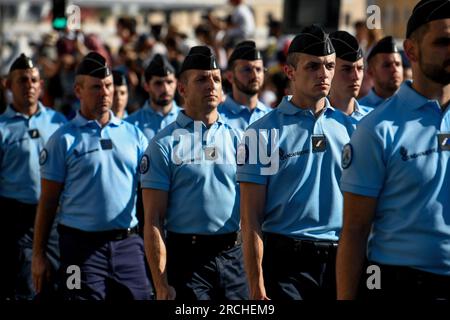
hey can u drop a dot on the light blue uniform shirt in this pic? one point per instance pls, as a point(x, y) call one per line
point(19, 151)
point(100, 181)
point(396, 157)
point(303, 198)
point(239, 116)
point(371, 99)
point(360, 112)
point(203, 193)
point(150, 121)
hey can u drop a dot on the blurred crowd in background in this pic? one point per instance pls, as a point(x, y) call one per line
point(59, 52)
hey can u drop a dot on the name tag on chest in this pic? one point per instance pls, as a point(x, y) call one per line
point(106, 144)
point(444, 141)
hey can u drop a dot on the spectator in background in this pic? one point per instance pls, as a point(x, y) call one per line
point(126, 30)
point(239, 26)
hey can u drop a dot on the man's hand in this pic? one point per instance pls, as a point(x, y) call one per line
point(41, 271)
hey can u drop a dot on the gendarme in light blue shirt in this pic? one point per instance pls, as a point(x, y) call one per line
point(198, 173)
point(99, 169)
point(150, 121)
point(303, 198)
point(21, 140)
point(398, 156)
point(239, 116)
point(371, 99)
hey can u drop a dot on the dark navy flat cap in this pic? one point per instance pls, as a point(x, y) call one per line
point(312, 40)
point(159, 66)
point(426, 11)
point(22, 63)
point(346, 46)
point(200, 58)
point(385, 45)
point(245, 50)
point(94, 65)
point(119, 78)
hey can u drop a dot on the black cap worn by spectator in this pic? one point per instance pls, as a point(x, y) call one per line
point(199, 58)
point(346, 46)
point(245, 50)
point(312, 40)
point(119, 78)
point(94, 65)
point(159, 67)
point(22, 63)
point(385, 45)
point(426, 11)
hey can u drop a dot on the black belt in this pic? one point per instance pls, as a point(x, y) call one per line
point(282, 242)
point(108, 235)
point(201, 241)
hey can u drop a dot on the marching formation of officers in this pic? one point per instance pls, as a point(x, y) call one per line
point(239, 201)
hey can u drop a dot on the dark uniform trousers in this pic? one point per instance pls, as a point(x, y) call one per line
point(112, 265)
point(404, 283)
point(16, 244)
point(206, 267)
point(299, 269)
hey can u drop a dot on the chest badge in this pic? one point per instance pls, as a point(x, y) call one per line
point(211, 153)
point(444, 141)
point(106, 144)
point(34, 133)
point(319, 143)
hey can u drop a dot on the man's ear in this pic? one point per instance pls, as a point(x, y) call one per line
point(229, 76)
point(146, 86)
point(289, 71)
point(77, 88)
point(181, 88)
point(411, 49)
point(8, 83)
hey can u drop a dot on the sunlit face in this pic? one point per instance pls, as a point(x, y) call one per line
point(202, 89)
point(161, 89)
point(434, 53)
point(96, 95)
point(386, 70)
point(25, 86)
point(311, 77)
point(248, 76)
point(348, 77)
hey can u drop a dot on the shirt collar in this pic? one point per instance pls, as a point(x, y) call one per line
point(10, 112)
point(237, 108)
point(357, 107)
point(184, 121)
point(410, 98)
point(376, 98)
point(81, 121)
point(288, 108)
point(173, 111)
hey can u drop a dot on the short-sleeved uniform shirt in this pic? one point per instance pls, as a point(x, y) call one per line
point(150, 121)
point(303, 198)
point(239, 116)
point(399, 154)
point(99, 167)
point(21, 140)
point(197, 167)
